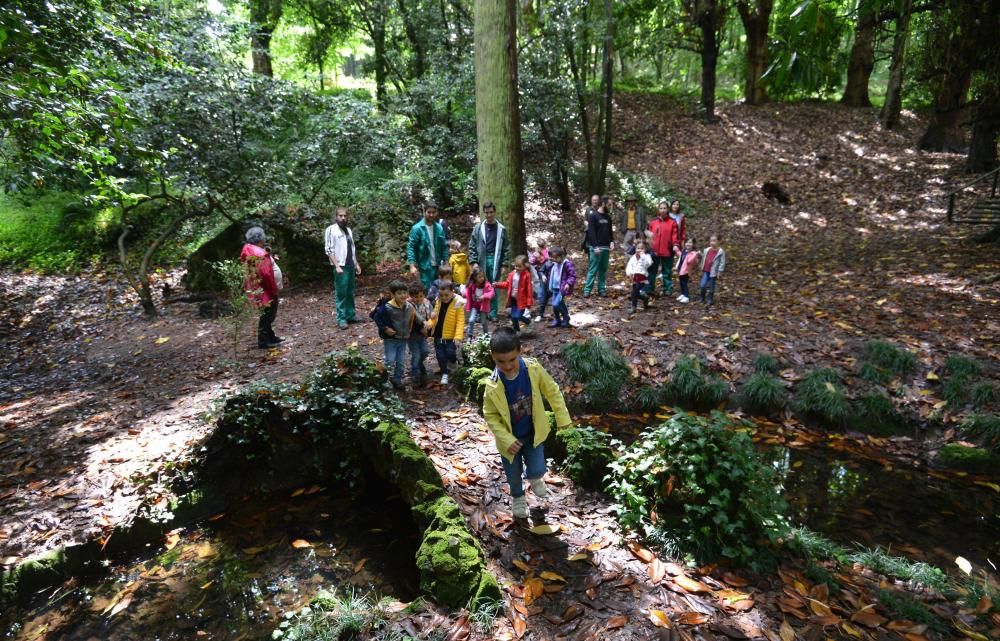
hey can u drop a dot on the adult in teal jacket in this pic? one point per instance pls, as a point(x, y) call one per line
point(427, 247)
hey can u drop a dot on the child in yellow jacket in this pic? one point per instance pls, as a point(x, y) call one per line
point(515, 413)
point(461, 270)
point(447, 325)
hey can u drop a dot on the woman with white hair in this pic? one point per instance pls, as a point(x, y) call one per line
point(260, 285)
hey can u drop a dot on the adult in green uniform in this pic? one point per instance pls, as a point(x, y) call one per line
point(489, 248)
point(343, 255)
point(427, 247)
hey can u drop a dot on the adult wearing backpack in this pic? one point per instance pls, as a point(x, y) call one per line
point(260, 285)
point(489, 249)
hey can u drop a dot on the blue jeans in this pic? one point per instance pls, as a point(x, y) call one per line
point(477, 316)
point(707, 286)
point(543, 299)
point(418, 352)
point(395, 352)
point(561, 313)
point(516, 315)
point(446, 353)
point(528, 459)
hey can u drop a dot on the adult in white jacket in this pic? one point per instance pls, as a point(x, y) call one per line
point(343, 255)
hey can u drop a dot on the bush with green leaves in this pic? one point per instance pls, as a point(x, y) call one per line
point(477, 366)
point(763, 392)
point(882, 360)
point(697, 481)
point(984, 428)
point(875, 413)
point(821, 395)
point(233, 273)
point(588, 453)
point(960, 373)
point(692, 385)
point(598, 363)
point(649, 397)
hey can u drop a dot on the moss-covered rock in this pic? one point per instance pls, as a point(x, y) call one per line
point(968, 458)
point(449, 559)
point(50, 568)
point(411, 470)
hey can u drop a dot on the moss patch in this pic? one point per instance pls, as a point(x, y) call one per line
point(968, 458)
point(450, 561)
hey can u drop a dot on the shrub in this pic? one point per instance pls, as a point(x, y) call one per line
point(330, 617)
point(875, 413)
point(763, 392)
point(700, 483)
point(766, 364)
point(598, 363)
point(985, 393)
point(690, 384)
point(649, 397)
point(883, 360)
point(588, 453)
point(232, 273)
point(959, 373)
point(970, 459)
point(820, 394)
point(477, 366)
point(985, 428)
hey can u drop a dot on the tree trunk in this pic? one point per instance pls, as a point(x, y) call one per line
point(862, 61)
point(889, 116)
point(498, 121)
point(709, 61)
point(260, 46)
point(602, 140)
point(944, 131)
point(378, 43)
point(755, 24)
point(983, 147)
point(419, 63)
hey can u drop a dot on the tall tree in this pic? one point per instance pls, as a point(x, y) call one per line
point(889, 116)
point(498, 121)
point(862, 60)
point(264, 18)
point(947, 68)
point(710, 17)
point(756, 18)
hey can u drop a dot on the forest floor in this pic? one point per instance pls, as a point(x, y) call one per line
point(96, 398)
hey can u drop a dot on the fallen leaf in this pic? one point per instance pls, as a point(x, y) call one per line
point(868, 618)
point(533, 588)
point(161, 340)
point(360, 564)
point(544, 529)
point(120, 606)
point(616, 622)
point(580, 556)
point(301, 543)
point(659, 619)
point(551, 576)
point(656, 571)
point(520, 626)
point(640, 552)
point(819, 608)
point(786, 632)
point(693, 618)
point(690, 585)
point(963, 564)
point(172, 539)
point(521, 565)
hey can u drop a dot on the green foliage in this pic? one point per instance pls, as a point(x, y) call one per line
point(959, 372)
point(969, 459)
point(332, 617)
point(985, 428)
point(883, 360)
point(597, 362)
point(588, 453)
point(763, 392)
point(476, 353)
point(233, 273)
point(695, 480)
point(880, 561)
point(904, 607)
point(875, 413)
point(806, 52)
point(477, 367)
point(649, 397)
point(820, 394)
point(985, 393)
point(50, 232)
point(766, 364)
point(691, 384)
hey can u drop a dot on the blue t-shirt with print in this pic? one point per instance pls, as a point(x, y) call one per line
point(518, 392)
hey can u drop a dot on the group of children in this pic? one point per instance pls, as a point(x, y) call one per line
point(689, 262)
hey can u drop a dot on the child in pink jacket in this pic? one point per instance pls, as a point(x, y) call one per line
point(687, 264)
point(478, 295)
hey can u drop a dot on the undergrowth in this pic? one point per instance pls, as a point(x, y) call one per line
point(960, 373)
point(970, 459)
point(875, 413)
point(51, 232)
point(692, 385)
point(821, 395)
point(763, 392)
point(588, 453)
point(881, 361)
point(766, 364)
point(984, 428)
point(598, 364)
point(331, 617)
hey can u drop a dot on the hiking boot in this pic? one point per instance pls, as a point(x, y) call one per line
point(520, 507)
point(268, 344)
point(632, 310)
point(538, 488)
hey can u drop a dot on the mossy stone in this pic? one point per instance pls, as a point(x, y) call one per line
point(449, 559)
point(968, 458)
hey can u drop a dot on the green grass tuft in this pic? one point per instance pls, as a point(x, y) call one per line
point(598, 363)
point(970, 459)
point(649, 397)
point(889, 358)
point(763, 392)
point(984, 428)
point(766, 364)
point(904, 607)
point(960, 372)
point(880, 561)
point(691, 384)
point(821, 394)
point(875, 413)
point(985, 393)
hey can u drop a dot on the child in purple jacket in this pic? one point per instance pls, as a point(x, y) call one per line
point(559, 285)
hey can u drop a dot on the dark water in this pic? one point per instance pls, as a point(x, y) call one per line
point(912, 512)
point(233, 577)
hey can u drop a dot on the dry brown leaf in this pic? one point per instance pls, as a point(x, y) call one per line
point(868, 618)
point(659, 619)
point(533, 588)
point(656, 571)
point(551, 576)
point(616, 622)
point(786, 632)
point(819, 608)
point(301, 543)
point(640, 552)
point(690, 585)
point(693, 618)
point(520, 626)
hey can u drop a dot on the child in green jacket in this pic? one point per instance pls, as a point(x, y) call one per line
point(514, 411)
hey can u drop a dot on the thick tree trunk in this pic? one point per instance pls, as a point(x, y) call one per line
point(889, 116)
point(709, 61)
point(498, 121)
point(944, 131)
point(603, 138)
point(756, 21)
point(983, 147)
point(260, 46)
point(862, 60)
point(378, 44)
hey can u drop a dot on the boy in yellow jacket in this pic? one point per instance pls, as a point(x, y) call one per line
point(447, 325)
point(515, 413)
point(461, 270)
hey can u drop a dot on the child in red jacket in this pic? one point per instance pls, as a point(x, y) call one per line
point(519, 293)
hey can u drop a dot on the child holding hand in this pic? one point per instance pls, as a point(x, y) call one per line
point(520, 296)
point(479, 296)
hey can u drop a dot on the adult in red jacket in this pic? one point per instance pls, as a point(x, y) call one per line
point(664, 244)
point(260, 285)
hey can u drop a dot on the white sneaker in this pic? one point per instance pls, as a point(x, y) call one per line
point(520, 507)
point(444, 378)
point(538, 319)
point(684, 299)
point(680, 296)
point(538, 487)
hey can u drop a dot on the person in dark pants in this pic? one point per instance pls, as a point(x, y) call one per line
point(261, 286)
point(600, 242)
point(489, 249)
